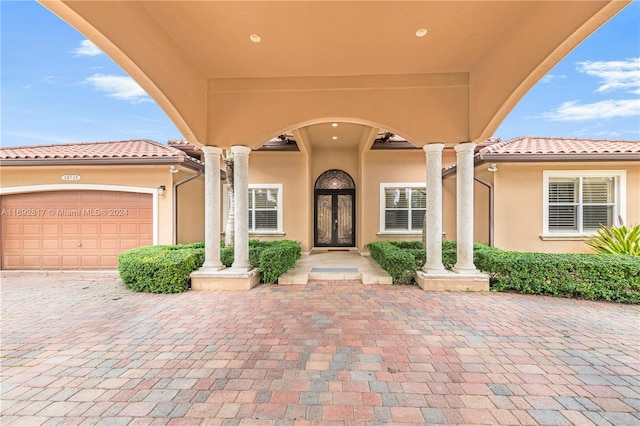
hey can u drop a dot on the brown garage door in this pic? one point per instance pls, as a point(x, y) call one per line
point(73, 229)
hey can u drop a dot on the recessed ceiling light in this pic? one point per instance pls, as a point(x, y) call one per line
point(334, 138)
point(334, 125)
point(255, 38)
point(421, 32)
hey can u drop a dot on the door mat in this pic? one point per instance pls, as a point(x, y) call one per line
point(334, 270)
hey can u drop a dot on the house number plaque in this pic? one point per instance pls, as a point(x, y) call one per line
point(70, 177)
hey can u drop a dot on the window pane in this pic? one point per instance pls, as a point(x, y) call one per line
point(417, 218)
point(250, 220)
point(396, 220)
point(266, 220)
point(563, 190)
point(266, 198)
point(595, 216)
point(395, 198)
point(563, 218)
point(597, 190)
point(418, 198)
point(251, 191)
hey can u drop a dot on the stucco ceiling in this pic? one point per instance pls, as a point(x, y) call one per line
point(325, 61)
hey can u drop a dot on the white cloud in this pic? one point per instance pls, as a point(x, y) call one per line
point(550, 77)
point(118, 87)
point(614, 75)
point(574, 111)
point(87, 48)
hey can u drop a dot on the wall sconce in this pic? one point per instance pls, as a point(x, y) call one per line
point(493, 167)
point(173, 169)
point(161, 190)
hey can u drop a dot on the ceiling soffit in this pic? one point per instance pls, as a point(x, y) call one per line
point(359, 61)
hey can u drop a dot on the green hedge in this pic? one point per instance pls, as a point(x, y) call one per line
point(159, 269)
point(613, 278)
point(166, 269)
point(277, 259)
point(399, 263)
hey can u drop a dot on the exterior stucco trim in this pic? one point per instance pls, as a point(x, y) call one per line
point(91, 187)
point(90, 161)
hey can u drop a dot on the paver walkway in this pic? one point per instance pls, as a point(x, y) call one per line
point(79, 348)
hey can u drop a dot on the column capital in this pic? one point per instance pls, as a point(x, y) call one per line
point(211, 150)
point(433, 147)
point(240, 150)
point(465, 147)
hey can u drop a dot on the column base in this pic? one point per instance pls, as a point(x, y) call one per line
point(225, 279)
point(465, 271)
point(451, 281)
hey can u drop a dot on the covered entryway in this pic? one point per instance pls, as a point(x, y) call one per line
point(335, 209)
point(80, 229)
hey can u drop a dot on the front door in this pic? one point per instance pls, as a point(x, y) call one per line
point(334, 210)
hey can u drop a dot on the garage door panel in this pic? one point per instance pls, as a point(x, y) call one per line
point(49, 228)
point(70, 229)
point(35, 261)
point(32, 229)
point(70, 262)
point(31, 244)
point(90, 244)
point(109, 244)
point(51, 244)
point(12, 230)
point(90, 261)
point(104, 223)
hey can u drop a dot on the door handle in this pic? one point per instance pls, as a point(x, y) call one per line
point(335, 224)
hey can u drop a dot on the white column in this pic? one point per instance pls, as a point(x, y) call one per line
point(464, 209)
point(433, 153)
point(241, 197)
point(212, 208)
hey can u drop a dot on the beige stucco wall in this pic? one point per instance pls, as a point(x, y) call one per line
point(37, 178)
point(519, 204)
point(190, 207)
point(289, 169)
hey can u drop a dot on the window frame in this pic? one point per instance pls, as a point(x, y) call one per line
point(382, 212)
point(619, 200)
point(279, 205)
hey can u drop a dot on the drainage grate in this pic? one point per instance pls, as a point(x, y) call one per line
point(334, 270)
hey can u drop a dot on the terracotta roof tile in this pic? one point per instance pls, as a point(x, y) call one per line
point(141, 148)
point(553, 146)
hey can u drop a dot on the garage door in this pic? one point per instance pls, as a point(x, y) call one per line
point(73, 229)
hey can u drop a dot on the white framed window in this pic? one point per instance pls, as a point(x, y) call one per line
point(402, 207)
point(265, 208)
point(579, 202)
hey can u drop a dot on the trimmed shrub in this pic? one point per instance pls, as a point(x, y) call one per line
point(398, 263)
point(159, 269)
point(277, 259)
point(166, 269)
point(614, 278)
point(582, 276)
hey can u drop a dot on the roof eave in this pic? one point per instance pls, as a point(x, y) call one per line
point(548, 158)
point(146, 161)
point(483, 158)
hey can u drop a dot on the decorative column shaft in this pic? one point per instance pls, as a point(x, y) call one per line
point(464, 208)
point(241, 197)
point(212, 208)
point(433, 153)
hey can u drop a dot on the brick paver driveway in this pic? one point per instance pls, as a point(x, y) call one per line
point(79, 348)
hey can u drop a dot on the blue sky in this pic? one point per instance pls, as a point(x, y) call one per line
point(57, 87)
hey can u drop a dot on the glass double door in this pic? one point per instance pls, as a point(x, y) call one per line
point(334, 218)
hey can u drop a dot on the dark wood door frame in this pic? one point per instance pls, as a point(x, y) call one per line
point(334, 219)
